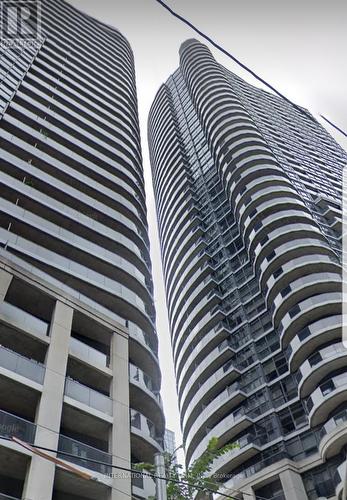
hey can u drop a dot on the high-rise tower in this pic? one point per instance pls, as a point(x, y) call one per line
point(79, 370)
point(248, 196)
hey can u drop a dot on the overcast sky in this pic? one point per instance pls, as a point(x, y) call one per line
point(299, 46)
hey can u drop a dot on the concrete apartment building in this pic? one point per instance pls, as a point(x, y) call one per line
point(248, 196)
point(79, 369)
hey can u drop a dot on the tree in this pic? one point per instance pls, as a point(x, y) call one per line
point(196, 478)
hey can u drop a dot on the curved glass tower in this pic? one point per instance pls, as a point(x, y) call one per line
point(248, 196)
point(78, 358)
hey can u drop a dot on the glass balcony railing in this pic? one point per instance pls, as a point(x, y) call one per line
point(142, 337)
point(145, 425)
point(141, 377)
point(84, 455)
point(88, 396)
point(17, 317)
point(21, 365)
point(13, 426)
point(336, 421)
point(89, 354)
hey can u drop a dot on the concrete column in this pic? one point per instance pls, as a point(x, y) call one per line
point(120, 438)
point(248, 493)
point(160, 472)
point(40, 476)
point(5, 281)
point(293, 486)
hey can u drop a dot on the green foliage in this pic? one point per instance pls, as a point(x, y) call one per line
point(196, 477)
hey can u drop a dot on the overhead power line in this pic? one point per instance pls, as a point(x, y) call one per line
point(333, 125)
point(242, 65)
point(132, 471)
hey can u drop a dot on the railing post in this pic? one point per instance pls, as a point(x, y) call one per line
point(160, 471)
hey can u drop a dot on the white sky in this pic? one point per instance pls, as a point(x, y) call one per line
point(298, 46)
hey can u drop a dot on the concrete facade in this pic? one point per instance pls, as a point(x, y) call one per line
point(79, 369)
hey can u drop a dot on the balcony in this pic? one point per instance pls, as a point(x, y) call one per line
point(212, 414)
point(301, 226)
point(319, 365)
point(88, 396)
point(303, 288)
point(308, 311)
point(209, 341)
point(293, 250)
point(21, 365)
point(236, 457)
point(206, 412)
point(294, 269)
point(333, 435)
point(205, 369)
point(225, 430)
point(84, 455)
point(139, 377)
point(308, 340)
point(88, 354)
point(11, 425)
point(22, 320)
point(144, 436)
point(340, 481)
point(326, 398)
point(143, 487)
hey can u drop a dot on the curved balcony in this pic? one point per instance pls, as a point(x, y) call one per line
point(142, 487)
point(225, 430)
point(257, 185)
point(209, 364)
point(319, 365)
point(307, 312)
point(224, 376)
point(212, 414)
point(309, 339)
point(202, 416)
point(340, 477)
point(248, 448)
point(292, 250)
point(145, 437)
point(333, 435)
point(201, 328)
point(185, 305)
point(302, 288)
point(268, 201)
point(144, 395)
point(296, 268)
point(326, 398)
point(143, 350)
point(209, 341)
point(266, 243)
point(140, 378)
point(251, 173)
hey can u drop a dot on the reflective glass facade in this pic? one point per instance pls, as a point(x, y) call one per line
point(248, 196)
